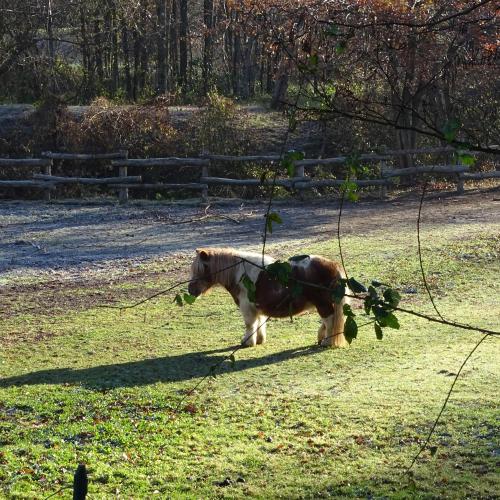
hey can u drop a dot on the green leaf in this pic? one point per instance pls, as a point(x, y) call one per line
point(378, 331)
point(385, 318)
point(433, 450)
point(250, 287)
point(330, 90)
point(272, 217)
point(296, 290)
point(290, 167)
point(392, 297)
point(376, 283)
point(451, 129)
point(178, 300)
point(340, 47)
point(280, 271)
point(352, 162)
point(348, 311)
point(391, 321)
point(466, 159)
point(338, 292)
point(289, 159)
point(294, 155)
point(367, 304)
point(350, 188)
point(332, 30)
point(232, 360)
point(350, 329)
point(380, 314)
point(373, 293)
point(188, 298)
point(314, 60)
point(356, 286)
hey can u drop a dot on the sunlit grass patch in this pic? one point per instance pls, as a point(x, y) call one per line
point(286, 419)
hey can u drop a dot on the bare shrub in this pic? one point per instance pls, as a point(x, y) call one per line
point(105, 127)
point(219, 127)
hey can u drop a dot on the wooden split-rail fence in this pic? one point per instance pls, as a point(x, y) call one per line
point(302, 180)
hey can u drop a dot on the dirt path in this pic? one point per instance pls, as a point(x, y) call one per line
point(71, 239)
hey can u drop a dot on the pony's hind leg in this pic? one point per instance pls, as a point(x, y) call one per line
point(261, 330)
point(334, 336)
point(250, 337)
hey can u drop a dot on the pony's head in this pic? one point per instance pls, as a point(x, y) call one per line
point(202, 278)
point(213, 266)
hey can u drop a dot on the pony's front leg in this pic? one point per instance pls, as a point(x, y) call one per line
point(261, 330)
point(252, 324)
point(321, 332)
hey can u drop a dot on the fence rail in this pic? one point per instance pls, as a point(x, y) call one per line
point(87, 180)
point(122, 154)
point(206, 162)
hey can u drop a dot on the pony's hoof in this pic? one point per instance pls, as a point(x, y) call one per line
point(329, 343)
point(251, 342)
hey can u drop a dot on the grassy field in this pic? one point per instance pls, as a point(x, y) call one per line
point(83, 384)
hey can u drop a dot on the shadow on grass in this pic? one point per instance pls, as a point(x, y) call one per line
point(149, 371)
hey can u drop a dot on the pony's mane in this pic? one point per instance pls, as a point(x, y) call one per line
point(223, 264)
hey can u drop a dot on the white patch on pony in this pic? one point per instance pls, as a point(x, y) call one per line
point(252, 271)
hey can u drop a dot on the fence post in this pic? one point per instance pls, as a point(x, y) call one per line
point(123, 193)
point(460, 183)
point(47, 170)
point(460, 176)
point(204, 173)
point(383, 187)
point(204, 191)
point(299, 172)
point(80, 483)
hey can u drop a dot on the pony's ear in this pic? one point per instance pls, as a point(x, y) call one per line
point(202, 253)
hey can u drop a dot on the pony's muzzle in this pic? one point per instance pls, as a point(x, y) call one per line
point(194, 289)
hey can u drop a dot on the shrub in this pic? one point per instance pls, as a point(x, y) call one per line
point(143, 130)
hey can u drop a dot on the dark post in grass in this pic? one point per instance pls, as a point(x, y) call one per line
point(80, 483)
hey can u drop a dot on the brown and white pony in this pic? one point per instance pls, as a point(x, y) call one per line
point(226, 267)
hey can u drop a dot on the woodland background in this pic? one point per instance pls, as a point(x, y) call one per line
point(181, 78)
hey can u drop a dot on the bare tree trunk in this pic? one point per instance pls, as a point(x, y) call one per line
point(52, 54)
point(174, 44)
point(208, 13)
point(280, 84)
point(98, 53)
point(248, 80)
point(269, 73)
point(183, 44)
point(88, 68)
point(126, 56)
point(236, 64)
point(161, 70)
point(114, 53)
point(137, 53)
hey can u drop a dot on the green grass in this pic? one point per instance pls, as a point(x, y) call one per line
point(288, 419)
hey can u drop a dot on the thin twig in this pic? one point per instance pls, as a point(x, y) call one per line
point(424, 279)
point(342, 198)
point(58, 491)
point(273, 185)
point(424, 446)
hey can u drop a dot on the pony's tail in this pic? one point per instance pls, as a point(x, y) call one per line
point(338, 338)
